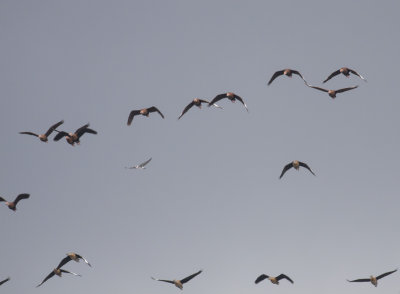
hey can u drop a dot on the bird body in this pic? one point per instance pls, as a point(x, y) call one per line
point(144, 112)
point(332, 93)
point(179, 283)
point(273, 280)
point(231, 96)
point(140, 166)
point(73, 138)
point(44, 137)
point(13, 205)
point(346, 72)
point(58, 272)
point(287, 72)
point(373, 279)
point(72, 256)
point(195, 102)
point(296, 165)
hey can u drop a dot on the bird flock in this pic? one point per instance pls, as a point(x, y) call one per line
point(73, 138)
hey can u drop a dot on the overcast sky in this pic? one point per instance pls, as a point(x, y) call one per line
point(211, 197)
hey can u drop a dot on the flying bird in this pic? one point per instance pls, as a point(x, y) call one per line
point(287, 72)
point(44, 137)
point(142, 165)
point(58, 272)
point(231, 96)
point(296, 164)
point(346, 72)
point(13, 205)
point(332, 93)
point(6, 280)
point(374, 280)
point(72, 256)
point(274, 280)
point(179, 283)
point(73, 138)
point(196, 102)
point(144, 111)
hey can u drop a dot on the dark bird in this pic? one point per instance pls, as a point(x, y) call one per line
point(6, 280)
point(196, 102)
point(332, 93)
point(142, 165)
point(372, 279)
point(72, 256)
point(231, 96)
point(274, 280)
point(58, 272)
point(296, 164)
point(179, 283)
point(13, 205)
point(73, 138)
point(287, 72)
point(144, 111)
point(44, 137)
point(345, 71)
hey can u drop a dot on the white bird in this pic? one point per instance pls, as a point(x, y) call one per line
point(142, 165)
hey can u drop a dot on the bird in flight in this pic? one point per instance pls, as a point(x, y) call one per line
point(274, 280)
point(58, 272)
point(346, 72)
point(179, 283)
point(13, 205)
point(73, 138)
point(6, 280)
point(44, 137)
point(231, 96)
point(141, 166)
point(332, 93)
point(296, 164)
point(374, 280)
point(287, 72)
point(196, 102)
point(144, 111)
point(72, 256)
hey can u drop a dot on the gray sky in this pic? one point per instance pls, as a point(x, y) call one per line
point(210, 199)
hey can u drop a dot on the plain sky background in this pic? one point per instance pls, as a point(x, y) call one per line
point(210, 199)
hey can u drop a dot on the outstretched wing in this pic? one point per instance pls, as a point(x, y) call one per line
point(79, 132)
point(186, 109)
point(385, 274)
point(241, 100)
point(335, 73)
point(261, 278)
point(187, 279)
point(144, 163)
point(64, 261)
point(81, 257)
point(283, 276)
point(6, 280)
point(2, 199)
point(318, 88)
point(46, 278)
point(168, 281)
point(53, 127)
point(346, 89)
point(216, 99)
point(306, 166)
point(20, 197)
point(300, 75)
point(68, 272)
point(131, 115)
point(155, 109)
point(275, 75)
point(287, 166)
point(357, 74)
point(86, 130)
point(360, 280)
point(29, 133)
point(60, 135)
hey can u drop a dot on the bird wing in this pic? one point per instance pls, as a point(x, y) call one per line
point(144, 163)
point(46, 278)
point(335, 73)
point(168, 281)
point(283, 276)
point(20, 197)
point(287, 166)
point(241, 100)
point(86, 130)
point(68, 272)
point(153, 109)
point(261, 278)
point(357, 74)
point(345, 89)
point(318, 88)
point(53, 127)
point(64, 261)
point(60, 135)
point(79, 132)
point(275, 75)
point(300, 75)
point(385, 274)
point(81, 257)
point(29, 133)
point(186, 109)
point(360, 280)
point(306, 166)
point(131, 115)
point(6, 280)
point(216, 99)
point(2, 199)
point(187, 279)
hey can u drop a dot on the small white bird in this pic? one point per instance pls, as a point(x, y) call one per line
point(142, 165)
